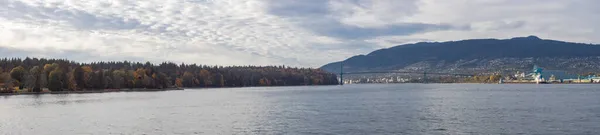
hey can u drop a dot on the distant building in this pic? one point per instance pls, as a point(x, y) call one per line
point(595, 80)
point(558, 74)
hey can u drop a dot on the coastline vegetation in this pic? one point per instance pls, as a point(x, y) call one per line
point(494, 78)
point(36, 75)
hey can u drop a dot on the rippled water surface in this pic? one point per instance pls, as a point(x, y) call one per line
point(350, 109)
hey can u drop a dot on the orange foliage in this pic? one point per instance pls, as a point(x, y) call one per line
point(179, 82)
point(87, 69)
point(139, 73)
point(71, 82)
point(264, 82)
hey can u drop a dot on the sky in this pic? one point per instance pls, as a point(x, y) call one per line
point(305, 33)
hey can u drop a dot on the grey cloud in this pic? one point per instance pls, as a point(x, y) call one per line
point(299, 8)
point(75, 55)
point(315, 16)
point(352, 32)
point(354, 45)
point(12, 52)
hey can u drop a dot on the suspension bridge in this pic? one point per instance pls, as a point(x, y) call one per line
point(424, 73)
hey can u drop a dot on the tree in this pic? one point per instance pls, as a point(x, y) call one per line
point(220, 80)
point(50, 67)
point(316, 80)
point(139, 75)
point(189, 79)
point(46, 73)
point(70, 81)
point(179, 82)
point(55, 80)
point(35, 74)
point(130, 79)
point(18, 73)
point(160, 80)
point(100, 81)
point(79, 77)
point(108, 82)
point(43, 80)
point(118, 79)
point(264, 82)
point(97, 80)
point(7, 82)
point(88, 73)
point(495, 78)
point(147, 82)
point(205, 78)
point(107, 79)
point(100, 75)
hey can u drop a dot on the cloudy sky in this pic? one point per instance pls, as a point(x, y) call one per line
point(306, 33)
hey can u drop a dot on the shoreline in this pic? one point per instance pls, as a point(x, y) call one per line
point(176, 89)
point(91, 91)
point(129, 90)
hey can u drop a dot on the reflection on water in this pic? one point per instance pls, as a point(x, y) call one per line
point(351, 109)
point(66, 99)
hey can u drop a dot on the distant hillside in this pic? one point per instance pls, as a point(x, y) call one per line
point(478, 55)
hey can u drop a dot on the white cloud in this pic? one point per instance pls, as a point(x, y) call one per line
point(273, 32)
point(372, 13)
point(555, 19)
point(206, 32)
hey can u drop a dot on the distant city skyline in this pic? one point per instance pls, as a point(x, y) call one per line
point(307, 33)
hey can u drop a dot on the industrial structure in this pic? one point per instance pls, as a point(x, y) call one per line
point(552, 76)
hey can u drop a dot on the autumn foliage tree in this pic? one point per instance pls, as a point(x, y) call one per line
point(60, 75)
point(6, 83)
point(18, 73)
point(179, 82)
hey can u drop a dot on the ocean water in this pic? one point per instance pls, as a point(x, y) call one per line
point(349, 109)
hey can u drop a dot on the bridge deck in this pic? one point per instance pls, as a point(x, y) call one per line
point(406, 72)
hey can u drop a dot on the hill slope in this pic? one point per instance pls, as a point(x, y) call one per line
point(477, 55)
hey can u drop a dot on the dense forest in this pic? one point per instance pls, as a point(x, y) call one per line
point(36, 75)
point(475, 54)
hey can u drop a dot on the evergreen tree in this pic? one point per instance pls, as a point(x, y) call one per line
point(55, 80)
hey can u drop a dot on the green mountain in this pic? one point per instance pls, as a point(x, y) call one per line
point(478, 55)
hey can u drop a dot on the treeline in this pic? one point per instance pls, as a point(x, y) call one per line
point(493, 78)
point(33, 74)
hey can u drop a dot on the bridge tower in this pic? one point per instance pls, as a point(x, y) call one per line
point(342, 73)
point(424, 76)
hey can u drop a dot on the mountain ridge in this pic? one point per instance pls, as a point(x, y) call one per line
point(474, 54)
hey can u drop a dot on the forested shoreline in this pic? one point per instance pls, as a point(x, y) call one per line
point(40, 74)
